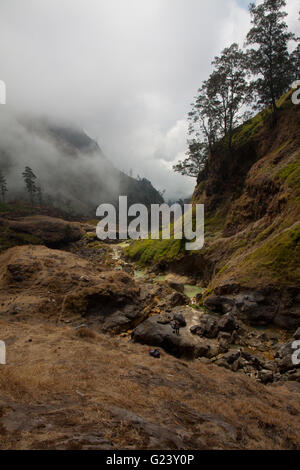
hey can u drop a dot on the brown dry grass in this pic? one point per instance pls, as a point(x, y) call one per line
point(78, 379)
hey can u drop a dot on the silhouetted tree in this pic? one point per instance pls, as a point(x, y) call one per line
point(196, 158)
point(203, 120)
point(295, 56)
point(29, 178)
point(228, 89)
point(269, 60)
point(3, 186)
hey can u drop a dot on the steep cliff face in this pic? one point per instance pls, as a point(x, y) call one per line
point(252, 219)
point(252, 201)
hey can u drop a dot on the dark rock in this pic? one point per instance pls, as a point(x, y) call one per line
point(224, 341)
point(219, 304)
point(265, 376)
point(251, 359)
point(223, 363)
point(177, 299)
point(178, 286)
point(231, 356)
point(214, 350)
point(179, 318)
point(202, 350)
point(288, 313)
point(293, 375)
point(154, 333)
point(207, 327)
point(268, 305)
point(255, 308)
point(227, 323)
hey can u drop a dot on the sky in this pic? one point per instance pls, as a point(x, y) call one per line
point(125, 71)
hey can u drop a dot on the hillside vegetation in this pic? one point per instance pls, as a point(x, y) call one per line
point(252, 209)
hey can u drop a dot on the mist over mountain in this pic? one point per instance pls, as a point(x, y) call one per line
point(71, 169)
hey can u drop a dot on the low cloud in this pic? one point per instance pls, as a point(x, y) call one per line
point(125, 71)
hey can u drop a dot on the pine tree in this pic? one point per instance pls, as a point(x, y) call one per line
point(270, 60)
point(3, 186)
point(29, 178)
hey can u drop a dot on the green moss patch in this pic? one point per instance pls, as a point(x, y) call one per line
point(291, 174)
point(277, 260)
point(147, 252)
point(250, 129)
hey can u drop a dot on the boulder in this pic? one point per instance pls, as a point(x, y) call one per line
point(227, 323)
point(202, 350)
point(219, 304)
point(270, 304)
point(178, 286)
point(48, 230)
point(154, 333)
point(179, 318)
point(265, 376)
point(255, 308)
point(207, 327)
point(232, 356)
point(176, 299)
point(157, 331)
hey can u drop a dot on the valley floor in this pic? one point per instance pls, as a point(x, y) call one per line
point(75, 389)
point(72, 382)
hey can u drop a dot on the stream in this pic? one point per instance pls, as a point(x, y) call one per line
point(139, 273)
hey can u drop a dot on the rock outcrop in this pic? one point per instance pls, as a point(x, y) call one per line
point(36, 281)
point(50, 231)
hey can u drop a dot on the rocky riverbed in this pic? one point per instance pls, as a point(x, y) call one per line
point(234, 331)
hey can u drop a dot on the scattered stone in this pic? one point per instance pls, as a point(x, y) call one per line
point(265, 376)
point(232, 356)
point(207, 327)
